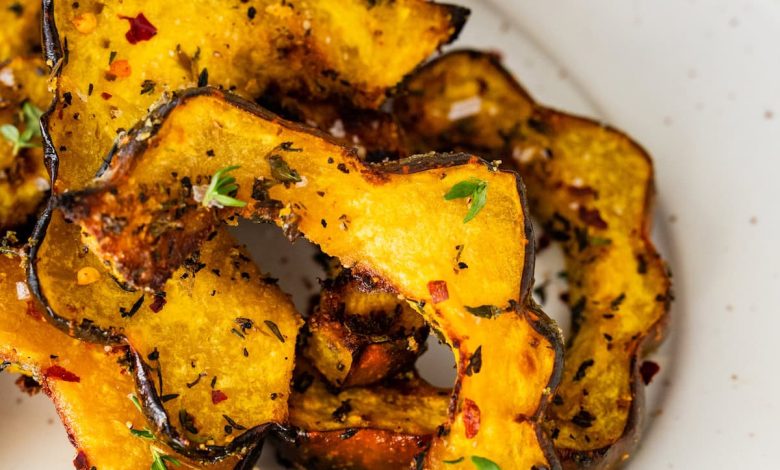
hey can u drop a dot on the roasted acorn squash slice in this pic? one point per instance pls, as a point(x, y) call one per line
point(87, 385)
point(214, 348)
point(390, 221)
point(114, 60)
point(591, 186)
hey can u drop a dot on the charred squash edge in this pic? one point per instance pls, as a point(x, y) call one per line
point(605, 457)
point(249, 441)
point(151, 402)
point(53, 51)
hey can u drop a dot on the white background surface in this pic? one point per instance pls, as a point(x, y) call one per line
point(698, 84)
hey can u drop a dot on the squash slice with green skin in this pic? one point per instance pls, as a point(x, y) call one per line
point(591, 187)
point(195, 343)
point(389, 221)
point(73, 373)
point(113, 60)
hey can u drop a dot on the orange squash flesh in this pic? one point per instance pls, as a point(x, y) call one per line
point(198, 341)
point(591, 187)
point(350, 209)
point(105, 71)
point(89, 388)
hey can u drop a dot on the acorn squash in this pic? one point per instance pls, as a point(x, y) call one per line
point(406, 224)
point(113, 60)
point(212, 351)
point(73, 373)
point(591, 187)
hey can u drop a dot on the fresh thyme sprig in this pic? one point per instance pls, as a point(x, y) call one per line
point(29, 138)
point(159, 458)
point(219, 190)
point(473, 188)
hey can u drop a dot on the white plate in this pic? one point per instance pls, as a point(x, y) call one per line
point(698, 84)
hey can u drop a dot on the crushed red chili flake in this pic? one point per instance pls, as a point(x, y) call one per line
point(106, 96)
point(33, 311)
point(140, 29)
point(438, 290)
point(81, 462)
point(647, 370)
point(60, 373)
point(218, 396)
point(471, 418)
point(592, 217)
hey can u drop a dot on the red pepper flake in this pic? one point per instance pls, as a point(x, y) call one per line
point(140, 29)
point(157, 304)
point(218, 396)
point(438, 290)
point(471, 418)
point(106, 96)
point(33, 311)
point(592, 217)
point(60, 373)
point(120, 68)
point(81, 462)
point(647, 370)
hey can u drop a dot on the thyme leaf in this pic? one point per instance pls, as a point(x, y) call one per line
point(30, 137)
point(481, 463)
point(474, 189)
point(160, 459)
point(220, 188)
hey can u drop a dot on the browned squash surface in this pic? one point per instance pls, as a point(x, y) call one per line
point(87, 385)
point(381, 427)
point(388, 221)
point(360, 334)
point(115, 59)
point(374, 134)
point(218, 339)
point(591, 186)
point(22, 174)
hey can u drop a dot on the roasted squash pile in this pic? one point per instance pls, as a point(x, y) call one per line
point(163, 126)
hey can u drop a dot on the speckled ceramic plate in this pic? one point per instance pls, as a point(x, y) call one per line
point(698, 84)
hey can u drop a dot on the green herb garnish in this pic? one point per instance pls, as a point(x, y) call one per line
point(481, 463)
point(135, 401)
point(219, 190)
point(472, 188)
point(160, 459)
point(453, 462)
point(31, 116)
point(142, 433)
point(484, 311)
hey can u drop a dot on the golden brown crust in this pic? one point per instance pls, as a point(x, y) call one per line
point(360, 334)
point(383, 426)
